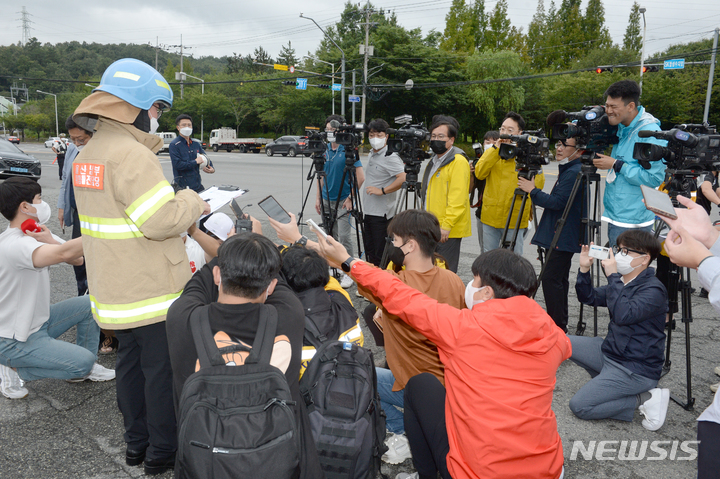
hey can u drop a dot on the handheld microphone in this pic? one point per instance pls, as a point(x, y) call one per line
point(30, 225)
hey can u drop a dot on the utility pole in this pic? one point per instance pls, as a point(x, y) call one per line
point(157, 46)
point(642, 55)
point(182, 47)
point(367, 51)
point(711, 76)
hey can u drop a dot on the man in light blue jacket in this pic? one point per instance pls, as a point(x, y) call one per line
point(67, 209)
point(623, 206)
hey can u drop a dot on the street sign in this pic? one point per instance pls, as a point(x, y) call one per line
point(301, 84)
point(354, 98)
point(291, 69)
point(277, 66)
point(677, 64)
point(336, 86)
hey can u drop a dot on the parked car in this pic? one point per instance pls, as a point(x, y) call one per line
point(13, 162)
point(14, 139)
point(286, 145)
point(53, 140)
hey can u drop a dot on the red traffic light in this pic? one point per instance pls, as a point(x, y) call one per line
point(650, 68)
point(604, 69)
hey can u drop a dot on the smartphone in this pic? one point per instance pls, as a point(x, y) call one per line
point(658, 202)
point(599, 252)
point(317, 228)
point(236, 209)
point(241, 223)
point(273, 209)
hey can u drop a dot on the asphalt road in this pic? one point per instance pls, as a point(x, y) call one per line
point(66, 430)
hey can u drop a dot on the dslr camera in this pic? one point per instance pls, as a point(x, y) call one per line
point(691, 147)
point(590, 128)
point(530, 151)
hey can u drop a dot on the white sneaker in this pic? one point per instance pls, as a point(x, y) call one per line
point(714, 387)
point(11, 385)
point(398, 449)
point(97, 373)
point(655, 409)
point(717, 370)
point(346, 281)
point(405, 475)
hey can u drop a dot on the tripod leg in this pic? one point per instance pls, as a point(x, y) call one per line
point(686, 297)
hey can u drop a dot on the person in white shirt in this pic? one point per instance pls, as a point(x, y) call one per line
point(29, 324)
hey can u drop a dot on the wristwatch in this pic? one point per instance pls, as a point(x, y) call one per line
point(346, 264)
point(302, 241)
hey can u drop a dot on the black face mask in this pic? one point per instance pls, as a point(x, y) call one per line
point(142, 121)
point(396, 255)
point(438, 146)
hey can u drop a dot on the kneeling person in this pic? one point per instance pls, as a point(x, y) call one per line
point(625, 366)
point(29, 324)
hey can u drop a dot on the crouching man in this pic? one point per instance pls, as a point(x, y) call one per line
point(493, 418)
point(625, 366)
point(29, 325)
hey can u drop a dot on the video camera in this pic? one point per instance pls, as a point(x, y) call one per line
point(529, 150)
point(350, 136)
point(410, 142)
point(690, 147)
point(316, 141)
point(590, 128)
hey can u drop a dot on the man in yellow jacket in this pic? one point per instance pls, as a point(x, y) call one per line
point(445, 186)
point(502, 180)
point(131, 221)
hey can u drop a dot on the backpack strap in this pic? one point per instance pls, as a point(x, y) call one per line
point(264, 342)
point(313, 334)
point(207, 351)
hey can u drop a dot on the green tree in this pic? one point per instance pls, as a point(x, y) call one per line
point(493, 100)
point(537, 36)
point(287, 55)
point(460, 28)
point(260, 55)
point(632, 40)
point(500, 34)
point(593, 26)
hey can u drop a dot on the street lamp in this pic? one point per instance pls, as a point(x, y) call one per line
point(202, 116)
point(333, 77)
point(342, 65)
point(57, 129)
point(642, 58)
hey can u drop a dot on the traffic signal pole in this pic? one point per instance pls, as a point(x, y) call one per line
point(711, 76)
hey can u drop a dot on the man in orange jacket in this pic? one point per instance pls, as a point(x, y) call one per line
point(500, 360)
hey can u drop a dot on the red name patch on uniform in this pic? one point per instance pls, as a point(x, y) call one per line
point(88, 175)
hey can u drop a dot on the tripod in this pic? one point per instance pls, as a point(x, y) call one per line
point(410, 187)
point(679, 282)
point(590, 225)
point(527, 173)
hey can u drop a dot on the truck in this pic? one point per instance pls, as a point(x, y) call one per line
point(224, 139)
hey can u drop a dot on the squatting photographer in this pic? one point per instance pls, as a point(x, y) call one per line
point(622, 203)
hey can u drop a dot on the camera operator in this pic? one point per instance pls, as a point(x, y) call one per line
point(445, 186)
point(694, 243)
point(334, 168)
point(622, 203)
point(385, 175)
point(479, 185)
point(500, 189)
point(555, 283)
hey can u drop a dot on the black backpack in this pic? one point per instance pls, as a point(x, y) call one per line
point(340, 390)
point(236, 421)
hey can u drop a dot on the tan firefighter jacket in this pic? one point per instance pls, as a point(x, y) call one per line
point(130, 218)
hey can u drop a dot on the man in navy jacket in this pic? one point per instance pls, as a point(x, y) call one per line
point(626, 365)
point(555, 282)
point(187, 155)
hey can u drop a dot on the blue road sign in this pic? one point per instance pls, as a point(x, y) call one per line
point(354, 98)
point(301, 84)
point(337, 87)
point(677, 64)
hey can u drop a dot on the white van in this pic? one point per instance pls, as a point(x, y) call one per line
point(167, 137)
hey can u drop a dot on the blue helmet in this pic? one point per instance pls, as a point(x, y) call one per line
point(137, 83)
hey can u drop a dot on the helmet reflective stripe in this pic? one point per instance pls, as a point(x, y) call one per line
point(137, 83)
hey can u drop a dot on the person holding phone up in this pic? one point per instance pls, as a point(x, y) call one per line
point(625, 366)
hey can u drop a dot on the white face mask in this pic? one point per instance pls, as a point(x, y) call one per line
point(153, 125)
point(487, 145)
point(565, 160)
point(79, 148)
point(331, 136)
point(43, 212)
point(623, 263)
point(187, 131)
point(470, 291)
point(377, 143)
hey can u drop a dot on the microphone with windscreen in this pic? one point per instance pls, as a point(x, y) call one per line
point(30, 225)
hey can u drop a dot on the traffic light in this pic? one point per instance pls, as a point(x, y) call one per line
point(650, 68)
point(289, 82)
point(604, 69)
point(323, 86)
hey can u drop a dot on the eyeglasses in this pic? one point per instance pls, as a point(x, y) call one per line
point(563, 144)
point(625, 250)
point(438, 137)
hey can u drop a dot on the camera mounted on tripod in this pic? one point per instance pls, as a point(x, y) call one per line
point(691, 148)
point(316, 141)
point(590, 128)
point(350, 136)
point(410, 142)
point(529, 150)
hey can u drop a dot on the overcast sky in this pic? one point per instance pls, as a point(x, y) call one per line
point(224, 27)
